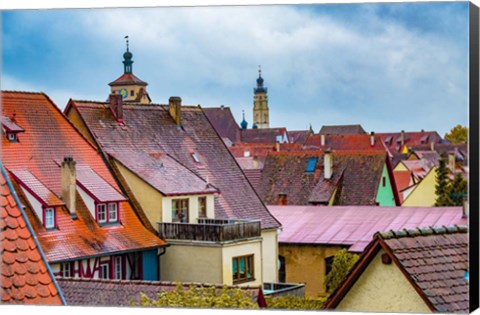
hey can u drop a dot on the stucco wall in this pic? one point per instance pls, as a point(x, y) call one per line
point(241, 249)
point(75, 119)
point(136, 90)
point(270, 256)
point(306, 264)
point(383, 288)
point(385, 193)
point(423, 195)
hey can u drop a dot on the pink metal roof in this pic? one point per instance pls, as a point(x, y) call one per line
point(10, 125)
point(36, 188)
point(96, 186)
point(355, 226)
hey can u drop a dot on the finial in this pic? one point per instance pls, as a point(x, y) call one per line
point(126, 37)
point(259, 70)
point(243, 113)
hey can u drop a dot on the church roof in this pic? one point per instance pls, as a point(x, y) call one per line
point(128, 79)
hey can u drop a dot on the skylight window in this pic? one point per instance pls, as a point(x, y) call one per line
point(311, 163)
point(195, 158)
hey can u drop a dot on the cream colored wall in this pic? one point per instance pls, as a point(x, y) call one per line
point(332, 198)
point(149, 198)
point(192, 207)
point(191, 263)
point(240, 249)
point(270, 255)
point(306, 264)
point(75, 119)
point(400, 167)
point(136, 90)
point(423, 195)
point(382, 288)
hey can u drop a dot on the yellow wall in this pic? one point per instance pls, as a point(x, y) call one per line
point(400, 167)
point(382, 288)
point(240, 249)
point(270, 255)
point(136, 90)
point(306, 264)
point(75, 119)
point(423, 195)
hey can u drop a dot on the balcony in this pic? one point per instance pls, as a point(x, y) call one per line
point(210, 230)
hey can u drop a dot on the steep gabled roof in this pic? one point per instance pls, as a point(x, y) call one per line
point(150, 128)
point(25, 276)
point(48, 138)
point(411, 138)
point(355, 226)
point(285, 173)
point(348, 142)
point(262, 135)
point(224, 123)
point(342, 130)
point(433, 259)
point(100, 292)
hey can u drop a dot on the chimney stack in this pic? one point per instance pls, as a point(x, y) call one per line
point(402, 138)
point(322, 140)
point(282, 200)
point(432, 146)
point(175, 109)
point(255, 162)
point(451, 162)
point(372, 138)
point(327, 164)
point(116, 106)
point(69, 184)
point(277, 146)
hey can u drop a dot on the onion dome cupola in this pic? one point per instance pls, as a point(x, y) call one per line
point(244, 123)
point(127, 60)
point(260, 88)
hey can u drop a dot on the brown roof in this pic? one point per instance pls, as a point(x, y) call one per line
point(393, 139)
point(96, 292)
point(127, 79)
point(224, 123)
point(150, 128)
point(434, 260)
point(349, 142)
point(342, 130)
point(25, 276)
point(262, 135)
point(47, 139)
point(298, 136)
point(355, 174)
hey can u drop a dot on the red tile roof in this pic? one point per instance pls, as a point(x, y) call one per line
point(224, 123)
point(122, 293)
point(263, 135)
point(403, 179)
point(355, 226)
point(127, 79)
point(252, 149)
point(342, 130)
point(349, 142)
point(150, 128)
point(29, 182)
point(393, 139)
point(96, 186)
point(434, 260)
point(298, 136)
point(48, 138)
point(10, 124)
point(25, 277)
point(285, 173)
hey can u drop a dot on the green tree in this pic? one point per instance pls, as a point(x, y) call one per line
point(201, 297)
point(441, 186)
point(342, 263)
point(457, 190)
point(457, 134)
point(295, 302)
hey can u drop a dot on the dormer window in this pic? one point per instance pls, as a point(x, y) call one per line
point(10, 128)
point(112, 212)
point(49, 220)
point(107, 213)
point(102, 213)
point(12, 137)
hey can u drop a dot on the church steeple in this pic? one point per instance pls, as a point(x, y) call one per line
point(260, 104)
point(244, 123)
point(127, 59)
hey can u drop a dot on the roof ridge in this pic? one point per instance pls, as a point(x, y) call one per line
point(423, 231)
point(23, 92)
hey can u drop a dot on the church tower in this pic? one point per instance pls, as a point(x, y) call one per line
point(128, 85)
point(260, 104)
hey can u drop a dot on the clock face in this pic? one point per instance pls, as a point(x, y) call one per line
point(124, 93)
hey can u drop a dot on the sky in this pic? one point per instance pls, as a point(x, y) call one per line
point(388, 67)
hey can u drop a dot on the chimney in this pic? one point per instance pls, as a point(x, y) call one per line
point(255, 161)
point(277, 146)
point(372, 138)
point(69, 184)
point(116, 106)
point(432, 146)
point(175, 109)
point(465, 206)
point(282, 200)
point(322, 140)
point(402, 137)
point(327, 164)
point(451, 162)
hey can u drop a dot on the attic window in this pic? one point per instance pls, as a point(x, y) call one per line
point(195, 158)
point(311, 163)
point(12, 137)
point(49, 218)
point(424, 139)
point(246, 153)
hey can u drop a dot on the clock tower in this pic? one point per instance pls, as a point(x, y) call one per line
point(132, 89)
point(260, 104)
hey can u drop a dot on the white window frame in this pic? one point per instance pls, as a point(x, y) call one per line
point(105, 213)
point(112, 209)
point(118, 267)
point(67, 270)
point(47, 224)
point(11, 136)
point(104, 267)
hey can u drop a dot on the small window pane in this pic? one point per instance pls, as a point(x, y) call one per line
point(311, 163)
point(102, 213)
point(202, 207)
point(49, 218)
point(118, 267)
point(67, 270)
point(112, 212)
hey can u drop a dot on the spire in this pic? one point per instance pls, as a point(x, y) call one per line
point(127, 62)
point(244, 123)
point(260, 88)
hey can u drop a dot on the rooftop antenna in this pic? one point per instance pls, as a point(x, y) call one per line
point(126, 37)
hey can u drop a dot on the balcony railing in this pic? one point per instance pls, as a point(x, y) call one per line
point(210, 230)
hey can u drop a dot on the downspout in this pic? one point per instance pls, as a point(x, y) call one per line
point(34, 236)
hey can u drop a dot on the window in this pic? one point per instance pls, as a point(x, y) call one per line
point(242, 269)
point(131, 92)
point(11, 137)
point(101, 213)
point(104, 271)
point(118, 267)
point(202, 207)
point(49, 222)
point(311, 163)
point(180, 210)
point(112, 212)
point(384, 181)
point(195, 158)
point(328, 264)
point(67, 270)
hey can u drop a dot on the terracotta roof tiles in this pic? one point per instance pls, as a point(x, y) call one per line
point(127, 79)
point(348, 142)
point(263, 135)
point(224, 123)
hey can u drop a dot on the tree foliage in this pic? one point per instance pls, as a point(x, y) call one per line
point(457, 134)
point(449, 193)
point(457, 190)
point(201, 297)
point(342, 263)
point(290, 302)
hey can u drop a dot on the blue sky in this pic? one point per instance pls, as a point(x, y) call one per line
point(387, 67)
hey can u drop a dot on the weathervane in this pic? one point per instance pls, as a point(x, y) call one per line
point(259, 70)
point(126, 37)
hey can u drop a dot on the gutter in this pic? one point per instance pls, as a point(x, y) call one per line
point(34, 236)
